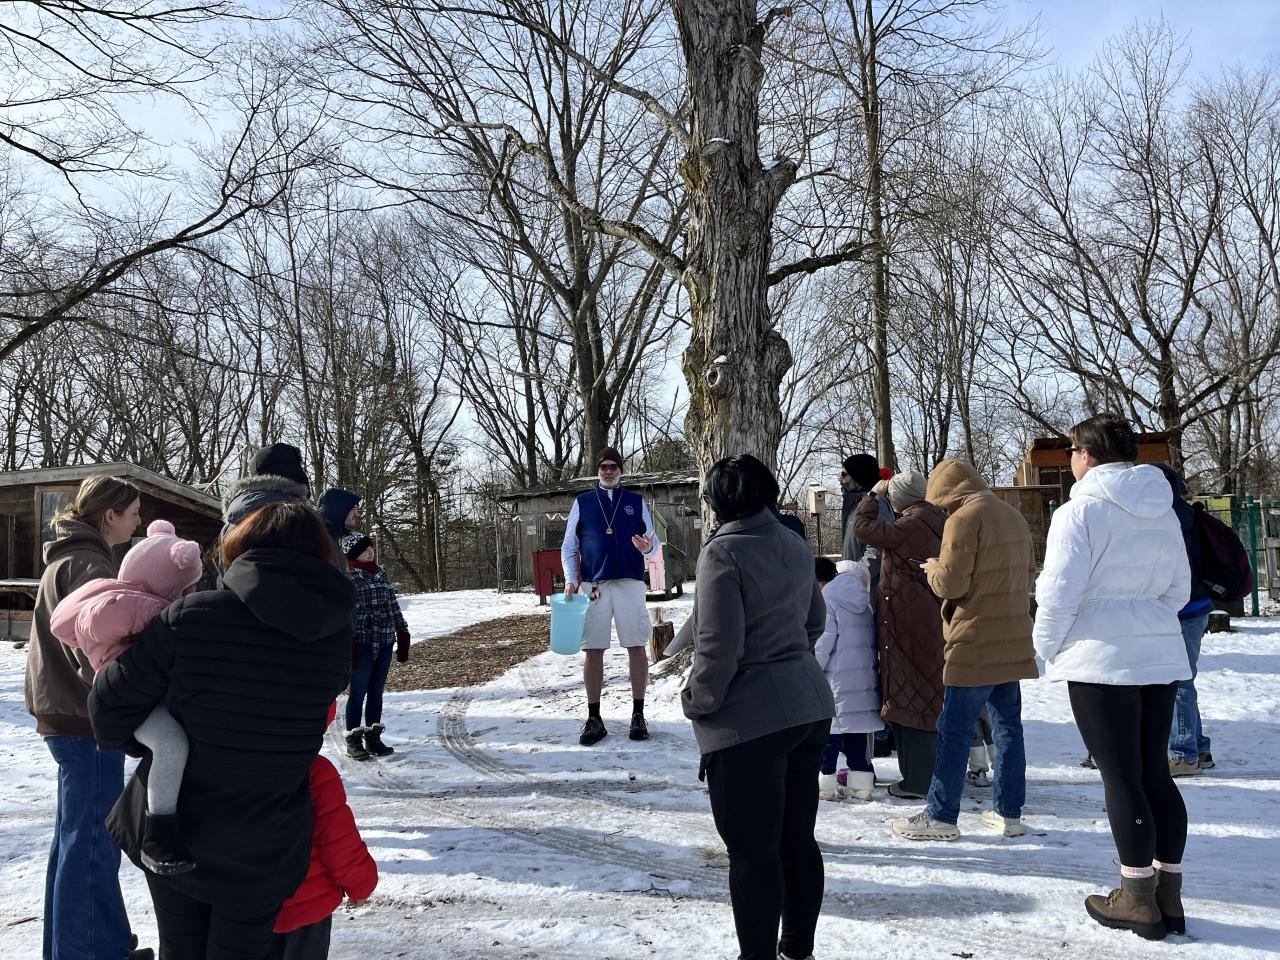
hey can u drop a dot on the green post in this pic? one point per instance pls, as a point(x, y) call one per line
point(1253, 512)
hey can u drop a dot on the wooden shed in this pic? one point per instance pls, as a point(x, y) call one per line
point(30, 498)
point(1048, 462)
point(534, 519)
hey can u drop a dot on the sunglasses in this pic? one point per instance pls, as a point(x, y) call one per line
point(1076, 449)
point(608, 468)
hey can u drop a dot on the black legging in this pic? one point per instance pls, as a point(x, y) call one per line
point(764, 797)
point(1126, 730)
point(193, 930)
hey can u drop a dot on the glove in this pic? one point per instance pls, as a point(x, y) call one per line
point(402, 645)
point(355, 656)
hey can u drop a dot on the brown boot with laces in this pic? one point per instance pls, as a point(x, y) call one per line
point(1169, 900)
point(1131, 906)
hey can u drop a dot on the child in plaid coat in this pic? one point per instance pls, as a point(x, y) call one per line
point(380, 628)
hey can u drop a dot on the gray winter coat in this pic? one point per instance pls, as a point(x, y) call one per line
point(846, 652)
point(757, 613)
point(855, 549)
point(253, 493)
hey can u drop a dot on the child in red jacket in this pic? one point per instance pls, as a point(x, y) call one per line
point(340, 863)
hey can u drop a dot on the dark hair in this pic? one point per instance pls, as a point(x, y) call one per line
point(286, 525)
point(95, 496)
point(824, 569)
point(1108, 437)
point(737, 487)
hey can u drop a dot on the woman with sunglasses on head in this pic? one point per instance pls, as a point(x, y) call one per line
point(761, 708)
point(1115, 576)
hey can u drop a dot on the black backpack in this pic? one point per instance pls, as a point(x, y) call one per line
point(1224, 562)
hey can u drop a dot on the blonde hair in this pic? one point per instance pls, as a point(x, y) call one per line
point(95, 497)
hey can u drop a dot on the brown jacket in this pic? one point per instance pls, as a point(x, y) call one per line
point(910, 627)
point(983, 575)
point(58, 676)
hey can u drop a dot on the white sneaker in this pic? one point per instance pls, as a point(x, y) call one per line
point(1009, 826)
point(859, 784)
point(977, 778)
point(828, 787)
point(924, 827)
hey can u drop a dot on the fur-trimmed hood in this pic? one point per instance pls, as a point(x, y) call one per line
point(252, 493)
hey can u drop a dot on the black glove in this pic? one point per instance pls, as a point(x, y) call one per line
point(402, 645)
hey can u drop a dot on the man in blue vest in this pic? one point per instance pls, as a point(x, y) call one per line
point(610, 527)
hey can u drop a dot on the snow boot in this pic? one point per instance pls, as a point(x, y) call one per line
point(1206, 761)
point(859, 784)
point(1131, 906)
point(1169, 900)
point(593, 732)
point(355, 744)
point(1180, 768)
point(1009, 826)
point(639, 729)
point(902, 793)
point(162, 850)
point(373, 741)
point(829, 787)
point(924, 827)
point(978, 778)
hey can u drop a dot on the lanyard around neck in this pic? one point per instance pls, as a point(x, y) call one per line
point(608, 519)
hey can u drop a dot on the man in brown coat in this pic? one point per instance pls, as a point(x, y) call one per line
point(983, 575)
point(909, 629)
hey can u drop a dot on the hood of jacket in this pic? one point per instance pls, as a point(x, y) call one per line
point(76, 537)
point(288, 591)
point(952, 482)
point(1142, 490)
point(335, 503)
point(252, 493)
point(848, 592)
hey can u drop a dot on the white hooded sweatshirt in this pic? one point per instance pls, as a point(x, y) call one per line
point(847, 652)
point(1115, 576)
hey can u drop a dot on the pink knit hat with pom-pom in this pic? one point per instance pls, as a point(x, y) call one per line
point(163, 564)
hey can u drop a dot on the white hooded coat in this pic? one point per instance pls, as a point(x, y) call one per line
point(846, 652)
point(1115, 576)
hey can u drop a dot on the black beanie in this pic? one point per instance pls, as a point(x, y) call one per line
point(608, 453)
point(863, 469)
point(279, 460)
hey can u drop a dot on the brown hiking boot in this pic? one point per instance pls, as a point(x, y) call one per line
point(1169, 900)
point(1132, 906)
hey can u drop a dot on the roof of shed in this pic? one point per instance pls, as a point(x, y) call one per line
point(633, 481)
point(161, 486)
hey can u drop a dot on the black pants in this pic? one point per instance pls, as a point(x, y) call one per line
point(856, 748)
point(764, 797)
point(306, 943)
point(916, 752)
point(193, 930)
point(1126, 730)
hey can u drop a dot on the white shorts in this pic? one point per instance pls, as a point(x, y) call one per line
point(620, 604)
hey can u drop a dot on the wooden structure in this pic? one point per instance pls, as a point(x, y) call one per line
point(534, 519)
point(1036, 504)
point(30, 498)
point(1048, 462)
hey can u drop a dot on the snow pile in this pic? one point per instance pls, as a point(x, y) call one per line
point(498, 836)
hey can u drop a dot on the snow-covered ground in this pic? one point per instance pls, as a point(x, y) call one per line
point(499, 837)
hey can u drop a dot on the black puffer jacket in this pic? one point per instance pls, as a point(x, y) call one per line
point(249, 672)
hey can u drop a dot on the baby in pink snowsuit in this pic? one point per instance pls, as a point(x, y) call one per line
point(102, 618)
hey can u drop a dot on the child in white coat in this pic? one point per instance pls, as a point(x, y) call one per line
point(847, 653)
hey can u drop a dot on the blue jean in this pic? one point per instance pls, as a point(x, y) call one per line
point(960, 709)
point(84, 916)
point(1186, 738)
point(367, 681)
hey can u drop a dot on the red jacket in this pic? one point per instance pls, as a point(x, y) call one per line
point(340, 862)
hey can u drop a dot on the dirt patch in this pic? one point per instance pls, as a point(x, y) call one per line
point(472, 655)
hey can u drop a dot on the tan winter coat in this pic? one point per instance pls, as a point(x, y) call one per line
point(983, 575)
point(58, 676)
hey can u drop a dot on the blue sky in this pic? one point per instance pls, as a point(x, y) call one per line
point(1218, 32)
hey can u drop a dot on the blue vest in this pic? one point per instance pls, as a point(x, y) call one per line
point(610, 556)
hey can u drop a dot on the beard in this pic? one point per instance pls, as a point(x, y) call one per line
point(612, 481)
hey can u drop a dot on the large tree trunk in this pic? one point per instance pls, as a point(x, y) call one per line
point(735, 360)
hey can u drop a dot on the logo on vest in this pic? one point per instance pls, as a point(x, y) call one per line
point(629, 510)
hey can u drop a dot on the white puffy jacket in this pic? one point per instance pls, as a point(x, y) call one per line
point(847, 653)
point(1115, 576)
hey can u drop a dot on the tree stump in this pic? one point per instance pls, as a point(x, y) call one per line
point(660, 636)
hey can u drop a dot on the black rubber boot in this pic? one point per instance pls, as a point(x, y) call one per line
point(355, 744)
point(373, 741)
point(162, 850)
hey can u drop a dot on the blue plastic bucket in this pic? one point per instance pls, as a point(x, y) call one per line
point(568, 621)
